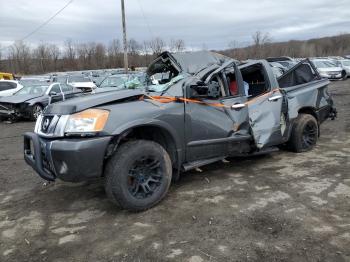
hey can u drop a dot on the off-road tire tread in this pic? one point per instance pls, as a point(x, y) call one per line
point(295, 141)
point(116, 162)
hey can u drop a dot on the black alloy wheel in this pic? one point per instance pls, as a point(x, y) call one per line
point(145, 177)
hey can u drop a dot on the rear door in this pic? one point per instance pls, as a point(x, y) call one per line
point(265, 104)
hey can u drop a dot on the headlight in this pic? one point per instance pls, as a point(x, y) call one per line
point(88, 121)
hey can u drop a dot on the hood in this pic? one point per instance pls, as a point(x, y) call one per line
point(75, 105)
point(17, 99)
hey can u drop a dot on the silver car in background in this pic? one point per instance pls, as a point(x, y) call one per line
point(329, 69)
point(345, 64)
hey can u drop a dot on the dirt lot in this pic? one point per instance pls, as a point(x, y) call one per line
point(280, 207)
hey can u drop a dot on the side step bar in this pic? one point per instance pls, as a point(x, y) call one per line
point(264, 151)
point(195, 164)
point(192, 165)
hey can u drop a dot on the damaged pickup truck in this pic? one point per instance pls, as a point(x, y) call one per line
point(202, 108)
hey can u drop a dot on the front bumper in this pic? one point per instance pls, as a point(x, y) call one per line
point(332, 76)
point(7, 113)
point(71, 160)
point(16, 111)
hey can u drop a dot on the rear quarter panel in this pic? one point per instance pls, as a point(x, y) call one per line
point(310, 95)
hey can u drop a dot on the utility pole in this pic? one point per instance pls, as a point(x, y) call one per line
point(126, 63)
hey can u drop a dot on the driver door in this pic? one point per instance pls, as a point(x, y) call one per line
point(215, 124)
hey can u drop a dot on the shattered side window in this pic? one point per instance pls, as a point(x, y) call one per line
point(301, 74)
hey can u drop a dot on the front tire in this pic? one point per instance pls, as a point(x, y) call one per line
point(304, 134)
point(344, 76)
point(37, 110)
point(138, 175)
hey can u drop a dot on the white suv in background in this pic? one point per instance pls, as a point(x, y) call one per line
point(329, 69)
point(9, 87)
point(345, 64)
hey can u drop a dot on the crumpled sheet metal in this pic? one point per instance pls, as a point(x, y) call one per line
point(261, 122)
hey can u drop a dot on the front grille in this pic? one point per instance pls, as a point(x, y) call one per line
point(46, 124)
point(334, 73)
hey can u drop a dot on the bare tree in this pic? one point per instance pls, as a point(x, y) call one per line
point(259, 40)
point(69, 55)
point(42, 56)
point(114, 54)
point(54, 54)
point(20, 55)
point(177, 45)
point(100, 56)
point(134, 47)
point(157, 45)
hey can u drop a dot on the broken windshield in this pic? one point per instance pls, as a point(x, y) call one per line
point(157, 87)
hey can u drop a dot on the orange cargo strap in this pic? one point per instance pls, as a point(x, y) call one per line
point(170, 99)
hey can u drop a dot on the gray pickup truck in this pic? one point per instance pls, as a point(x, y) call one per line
point(195, 109)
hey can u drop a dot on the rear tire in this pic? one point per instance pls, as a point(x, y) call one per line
point(304, 134)
point(138, 175)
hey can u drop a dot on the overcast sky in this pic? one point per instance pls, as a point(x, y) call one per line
point(213, 23)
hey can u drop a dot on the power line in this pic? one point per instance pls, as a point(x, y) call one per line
point(43, 24)
point(146, 20)
point(47, 21)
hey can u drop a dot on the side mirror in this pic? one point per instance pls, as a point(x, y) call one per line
point(52, 93)
point(214, 90)
point(201, 90)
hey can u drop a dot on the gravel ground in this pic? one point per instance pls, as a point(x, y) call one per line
point(279, 207)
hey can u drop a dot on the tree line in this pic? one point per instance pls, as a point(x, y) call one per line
point(263, 47)
point(22, 58)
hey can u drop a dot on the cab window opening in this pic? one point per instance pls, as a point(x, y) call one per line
point(255, 77)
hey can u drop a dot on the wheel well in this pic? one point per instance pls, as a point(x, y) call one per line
point(309, 111)
point(153, 133)
point(38, 103)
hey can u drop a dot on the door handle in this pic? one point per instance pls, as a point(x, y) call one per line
point(275, 98)
point(238, 106)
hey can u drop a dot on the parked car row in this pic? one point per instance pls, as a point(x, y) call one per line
point(333, 68)
point(28, 97)
point(30, 101)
